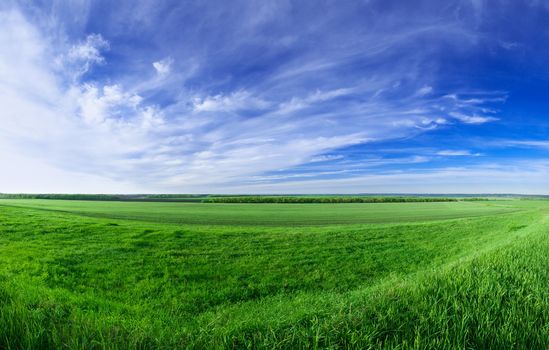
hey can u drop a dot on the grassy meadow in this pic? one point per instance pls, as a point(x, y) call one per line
point(125, 275)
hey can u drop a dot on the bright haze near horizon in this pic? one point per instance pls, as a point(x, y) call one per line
point(274, 96)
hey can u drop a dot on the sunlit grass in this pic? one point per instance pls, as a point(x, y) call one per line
point(75, 281)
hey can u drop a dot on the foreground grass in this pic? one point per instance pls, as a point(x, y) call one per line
point(79, 282)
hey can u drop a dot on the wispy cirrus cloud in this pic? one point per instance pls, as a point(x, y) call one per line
point(542, 144)
point(326, 158)
point(298, 103)
point(473, 119)
point(228, 103)
point(238, 100)
point(514, 178)
point(163, 66)
point(457, 153)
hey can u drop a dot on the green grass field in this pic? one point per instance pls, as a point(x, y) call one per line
point(468, 275)
point(273, 214)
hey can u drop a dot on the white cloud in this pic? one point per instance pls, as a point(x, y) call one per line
point(27, 174)
point(527, 143)
point(457, 153)
point(109, 103)
point(473, 119)
point(63, 132)
point(164, 66)
point(426, 90)
point(508, 45)
point(238, 100)
point(82, 56)
point(326, 158)
point(318, 96)
point(89, 50)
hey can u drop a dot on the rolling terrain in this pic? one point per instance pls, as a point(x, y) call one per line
point(79, 274)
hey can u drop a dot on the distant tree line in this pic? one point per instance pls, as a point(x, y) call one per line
point(330, 199)
point(237, 198)
point(96, 197)
point(108, 197)
point(174, 196)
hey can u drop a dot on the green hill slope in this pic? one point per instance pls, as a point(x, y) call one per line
point(74, 281)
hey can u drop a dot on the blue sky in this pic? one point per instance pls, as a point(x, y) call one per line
point(274, 96)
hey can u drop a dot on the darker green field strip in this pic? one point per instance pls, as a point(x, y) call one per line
point(273, 214)
point(74, 281)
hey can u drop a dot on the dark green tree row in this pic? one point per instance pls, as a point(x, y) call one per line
point(107, 197)
point(237, 199)
point(330, 199)
point(97, 197)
